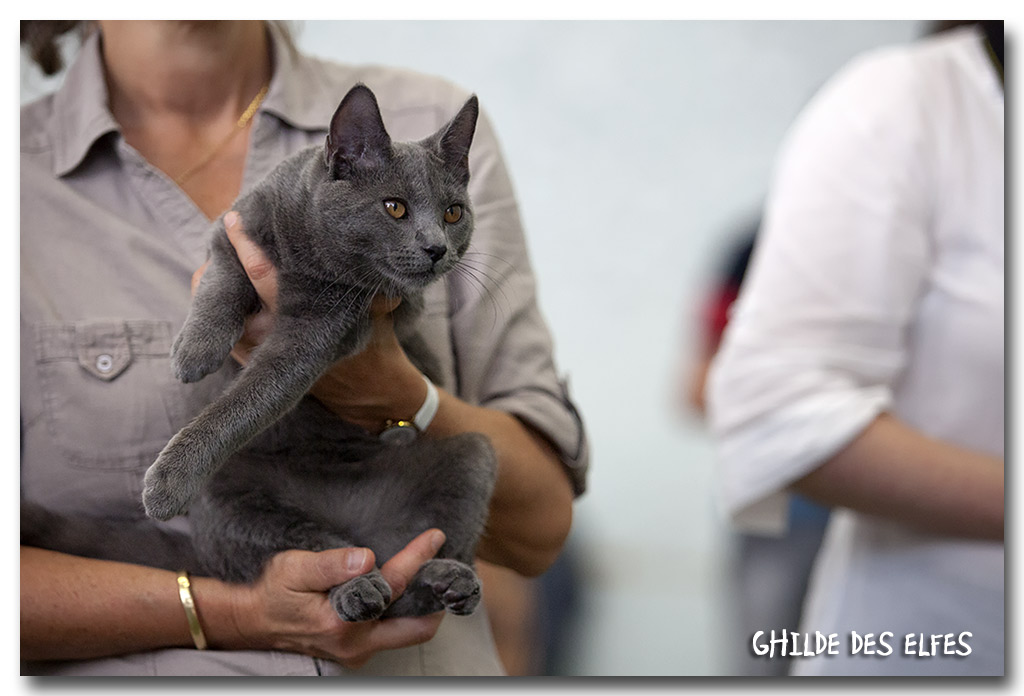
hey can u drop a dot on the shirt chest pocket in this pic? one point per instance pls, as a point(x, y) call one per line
point(108, 396)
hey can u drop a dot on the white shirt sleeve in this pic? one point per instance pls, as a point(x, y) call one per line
point(818, 335)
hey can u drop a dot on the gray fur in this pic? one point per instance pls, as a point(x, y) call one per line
point(264, 468)
point(134, 541)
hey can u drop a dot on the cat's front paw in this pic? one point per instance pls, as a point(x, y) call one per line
point(197, 353)
point(170, 483)
point(362, 598)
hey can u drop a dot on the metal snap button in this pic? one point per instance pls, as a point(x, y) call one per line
point(104, 363)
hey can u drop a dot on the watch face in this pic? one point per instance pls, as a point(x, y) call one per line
point(399, 434)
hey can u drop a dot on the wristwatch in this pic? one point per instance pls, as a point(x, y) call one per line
point(402, 432)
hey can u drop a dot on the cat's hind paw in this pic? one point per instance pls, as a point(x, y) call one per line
point(362, 598)
point(449, 583)
point(458, 590)
point(440, 584)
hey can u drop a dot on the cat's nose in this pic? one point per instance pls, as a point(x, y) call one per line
point(436, 252)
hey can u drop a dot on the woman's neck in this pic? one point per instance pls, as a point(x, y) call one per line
point(177, 90)
point(197, 71)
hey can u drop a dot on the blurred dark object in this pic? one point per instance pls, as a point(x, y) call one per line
point(714, 313)
point(41, 39)
point(559, 608)
point(532, 619)
point(992, 28)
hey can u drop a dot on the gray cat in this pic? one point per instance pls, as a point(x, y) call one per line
point(341, 223)
point(361, 216)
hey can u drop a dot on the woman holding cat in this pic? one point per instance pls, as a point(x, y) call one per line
point(122, 169)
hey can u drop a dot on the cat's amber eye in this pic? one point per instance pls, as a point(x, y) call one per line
point(453, 214)
point(396, 209)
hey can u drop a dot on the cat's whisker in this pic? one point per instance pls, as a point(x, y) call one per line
point(498, 265)
point(354, 289)
point(354, 293)
point(363, 271)
point(473, 254)
point(482, 291)
point(494, 278)
point(322, 292)
point(473, 272)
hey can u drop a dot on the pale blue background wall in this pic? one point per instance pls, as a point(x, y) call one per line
point(638, 149)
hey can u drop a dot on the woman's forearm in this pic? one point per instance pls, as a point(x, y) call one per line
point(80, 608)
point(893, 471)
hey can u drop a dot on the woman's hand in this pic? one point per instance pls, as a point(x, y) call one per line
point(367, 389)
point(288, 608)
point(75, 608)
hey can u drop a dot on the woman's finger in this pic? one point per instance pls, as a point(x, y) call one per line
point(384, 304)
point(258, 267)
point(400, 570)
point(198, 275)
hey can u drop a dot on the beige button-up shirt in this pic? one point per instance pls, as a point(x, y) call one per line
point(108, 247)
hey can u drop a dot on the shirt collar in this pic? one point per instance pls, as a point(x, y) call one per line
point(297, 95)
point(80, 108)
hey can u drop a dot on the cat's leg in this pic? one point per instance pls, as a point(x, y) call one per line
point(216, 318)
point(441, 583)
point(237, 534)
point(281, 371)
point(141, 542)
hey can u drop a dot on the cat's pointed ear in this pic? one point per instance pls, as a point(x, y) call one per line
point(456, 137)
point(357, 138)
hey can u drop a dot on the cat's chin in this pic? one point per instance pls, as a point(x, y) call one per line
point(414, 282)
point(419, 283)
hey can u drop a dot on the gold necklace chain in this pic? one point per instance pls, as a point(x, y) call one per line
point(240, 125)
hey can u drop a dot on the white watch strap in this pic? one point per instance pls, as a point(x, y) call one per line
point(428, 410)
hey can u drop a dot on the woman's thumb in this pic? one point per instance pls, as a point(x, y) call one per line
point(322, 570)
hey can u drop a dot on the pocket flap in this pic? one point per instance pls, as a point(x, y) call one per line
point(103, 349)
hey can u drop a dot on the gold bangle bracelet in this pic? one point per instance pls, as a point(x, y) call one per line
point(189, 604)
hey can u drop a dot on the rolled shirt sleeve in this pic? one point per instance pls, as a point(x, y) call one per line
point(818, 337)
